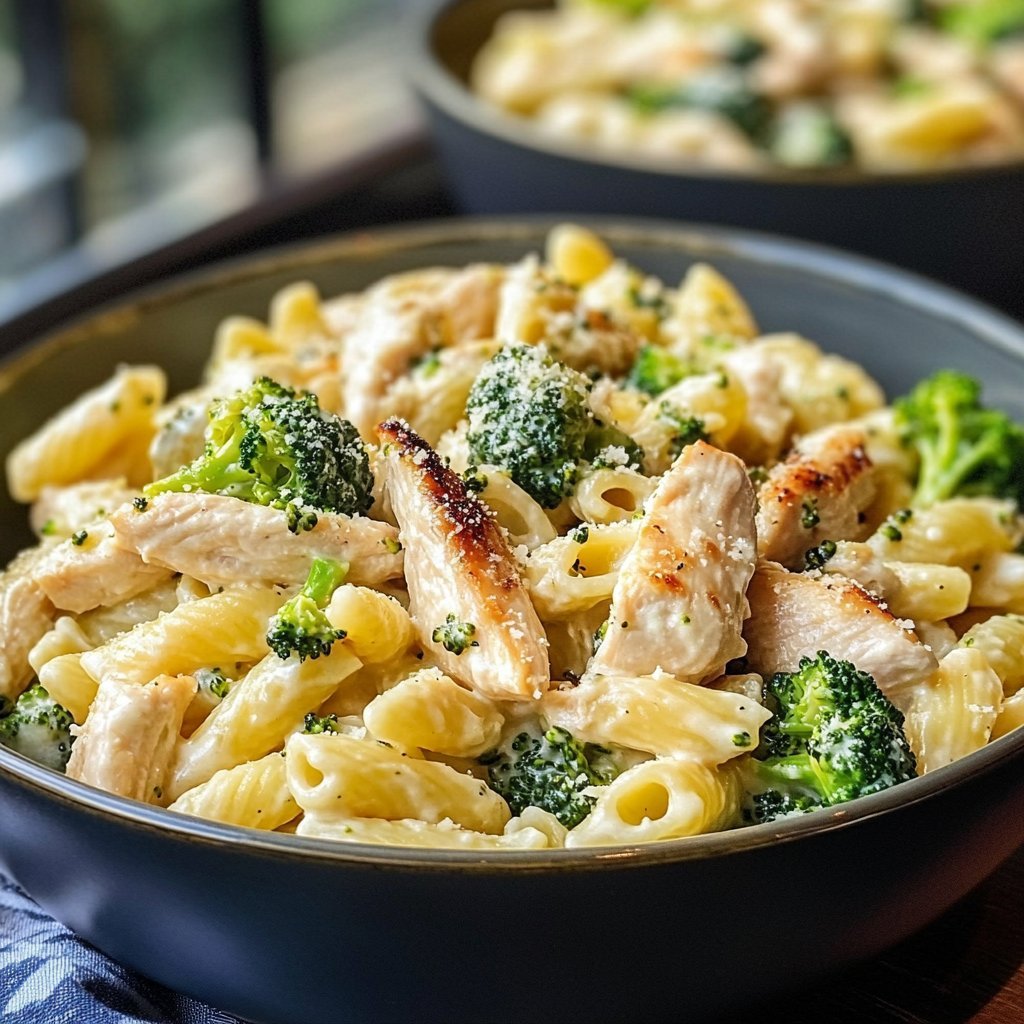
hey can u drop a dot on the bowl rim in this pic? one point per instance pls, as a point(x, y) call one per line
point(436, 83)
point(853, 272)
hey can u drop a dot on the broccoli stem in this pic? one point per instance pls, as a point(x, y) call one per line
point(325, 576)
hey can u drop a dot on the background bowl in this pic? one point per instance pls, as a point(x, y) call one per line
point(962, 226)
point(283, 929)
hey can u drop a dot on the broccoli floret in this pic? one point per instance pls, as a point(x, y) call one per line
point(455, 636)
point(632, 8)
point(607, 446)
point(964, 448)
point(807, 135)
point(741, 48)
point(834, 736)
point(475, 481)
point(983, 21)
point(316, 724)
point(528, 414)
point(721, 90)
point(656, 369)
point(686, 429)
point(213, 681)
point(274, 446)
point(38, 727)
point(815, 558)
point(300, 627)
point(550, 770)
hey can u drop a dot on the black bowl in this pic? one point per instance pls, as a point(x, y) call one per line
point(962, 226)
point(284, 929)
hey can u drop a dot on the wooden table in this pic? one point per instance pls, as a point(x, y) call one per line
point(966, 967)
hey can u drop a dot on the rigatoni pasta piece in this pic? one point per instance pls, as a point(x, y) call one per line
point(377, 627)
point(126, 744)
point(660, 715)
point(529, 298)
point(339, 775)
point(660, 799)
point(957, 531)
point(254, 795)
point(1010, 717)
point(65, 679)
point(526, 522)
point(928, 590)
point(922, 130)
point(633, 299)
point(819, 389)
point(222, 628)
point(443, 835)
point(259, 712)
point(997, 581)
point(430, 710)
point(572, 574)
point(81, 441)
point(1001, 639)
point(576, 254)
point(239, 338)
point(66, 637)
point(295, 315)
point(610, 495)
point(707, 305)
point(952, 714)
point(762, 435)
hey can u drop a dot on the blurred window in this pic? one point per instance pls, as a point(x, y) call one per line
point(127, 123)
point(336, 79)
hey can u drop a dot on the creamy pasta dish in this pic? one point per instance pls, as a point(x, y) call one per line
point(884, 85)
point(552, 554)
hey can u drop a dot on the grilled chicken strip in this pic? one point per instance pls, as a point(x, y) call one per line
point(679, 604)
point(819, 493)
point(98, 572)
point(459, 569)
point(25, 615)
point(222, 540)
point(793, 615)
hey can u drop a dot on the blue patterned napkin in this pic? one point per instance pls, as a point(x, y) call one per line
point(49, 976)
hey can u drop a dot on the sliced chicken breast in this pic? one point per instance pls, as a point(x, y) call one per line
point(793, 615)
point(96, 573)
point(821, 492)
point(678, 605)
point(126, 744)
point(222, 540)
point(25, 615)
point(460, 570)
